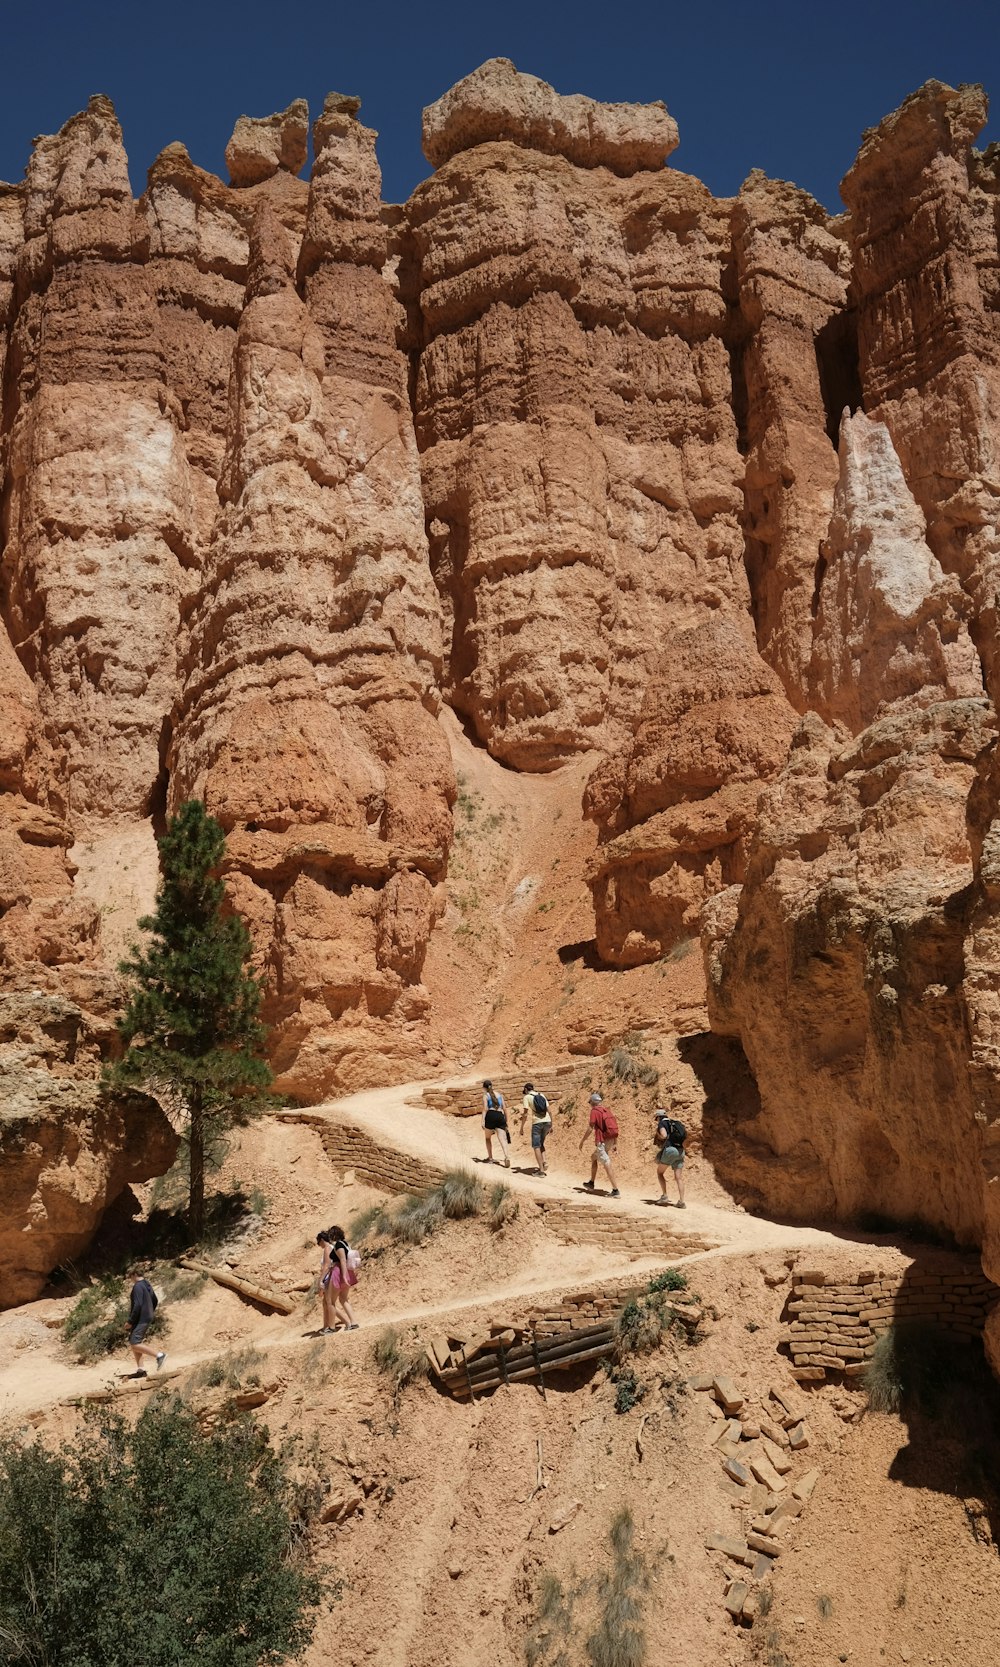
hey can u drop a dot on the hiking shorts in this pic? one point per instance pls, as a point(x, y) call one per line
point(538, 1134)
point(138, 1331)
point(671, 1157)
point(602, 1154)
point(338, 1281)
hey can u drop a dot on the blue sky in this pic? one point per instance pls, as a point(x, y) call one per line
point(781, 86)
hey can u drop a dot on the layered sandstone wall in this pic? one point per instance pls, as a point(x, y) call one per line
point(561, 442)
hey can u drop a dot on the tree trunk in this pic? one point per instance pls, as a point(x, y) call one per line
point(196, 1196)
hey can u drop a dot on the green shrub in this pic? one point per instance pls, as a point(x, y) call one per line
point(671, 1279)
point(619, 1639)
point(235, 1370)
point(629, 1390)
point(154, 1543)
point(417, 1216)
point(368, 1222)
point(457, 1195)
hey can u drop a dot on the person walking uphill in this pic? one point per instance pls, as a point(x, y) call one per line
point(495, 1123)
point(535, 1105)
point(670, 1137)
point(143, 1304)
point(605, 1126)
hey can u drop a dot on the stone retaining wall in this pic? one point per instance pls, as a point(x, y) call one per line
point(834, 1327)
point(382, 1167)
point(592, 1224)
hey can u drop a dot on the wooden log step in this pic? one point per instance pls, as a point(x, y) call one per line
point(483, 1386)
point(552, 1349)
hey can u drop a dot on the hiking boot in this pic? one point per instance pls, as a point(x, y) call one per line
point(139, 1374)
point(680, 1205)
point(161, 1357)
point(506, 1163)
point(664, 1200)
point(588, 1186)
point(615, 1193)
point(353, 1327)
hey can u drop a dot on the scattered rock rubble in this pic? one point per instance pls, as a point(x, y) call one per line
point(759, 1449)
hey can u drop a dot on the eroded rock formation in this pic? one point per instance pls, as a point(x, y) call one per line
point(306, 720)
point(66, 1151)
point(284, 466)
point(573, 408)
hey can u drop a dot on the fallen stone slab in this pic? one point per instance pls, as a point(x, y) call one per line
point(765, 1543)
point(777, 1455)
point(730, 1545)
point(737, 1472)
point(805, 1487)
point(798, 1437)
point(727, 1394)
point(736, 1597)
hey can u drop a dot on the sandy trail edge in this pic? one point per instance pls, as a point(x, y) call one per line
point(391, 1117)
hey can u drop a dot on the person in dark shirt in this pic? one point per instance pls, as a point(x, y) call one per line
point(142, 1308)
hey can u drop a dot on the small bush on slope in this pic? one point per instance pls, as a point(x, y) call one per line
point(153, 1543)
point(619, 1639)
point(456, 1196)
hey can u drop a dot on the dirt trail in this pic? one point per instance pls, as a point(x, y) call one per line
point(391, 1116)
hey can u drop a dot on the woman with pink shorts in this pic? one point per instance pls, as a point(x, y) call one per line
point(343, 1277)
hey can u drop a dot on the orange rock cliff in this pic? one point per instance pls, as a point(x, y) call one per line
point(701, 493)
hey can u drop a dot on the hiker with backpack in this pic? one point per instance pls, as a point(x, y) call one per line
point(535, 1105)
point(341, 1265)
point(495, 1123)
point(669, 1141)
point(605, 1126)
point(143, 1303)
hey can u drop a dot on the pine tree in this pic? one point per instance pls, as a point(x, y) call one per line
point(191, 1025)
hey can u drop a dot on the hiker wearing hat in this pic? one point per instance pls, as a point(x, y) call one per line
point(605, 1126)
point(536, 1106)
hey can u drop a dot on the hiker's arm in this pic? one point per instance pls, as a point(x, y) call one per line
point(584, 1136)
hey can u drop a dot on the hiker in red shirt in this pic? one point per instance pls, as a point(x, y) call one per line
point(605, 1126)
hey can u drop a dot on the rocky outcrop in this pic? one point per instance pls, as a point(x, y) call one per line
point(261, 146)
point(98, 506)
point(923, 233)
point(840, 967)
point(795, 370)
point(307, 717)
point(66, 1151)
point(572, 406)
point(677, 809)
point(284, 466)
point(889, 625)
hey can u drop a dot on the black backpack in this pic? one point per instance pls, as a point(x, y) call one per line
point(540, 1103)
point(673, 1132)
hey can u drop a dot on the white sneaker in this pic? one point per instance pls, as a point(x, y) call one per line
point(161, 1357)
